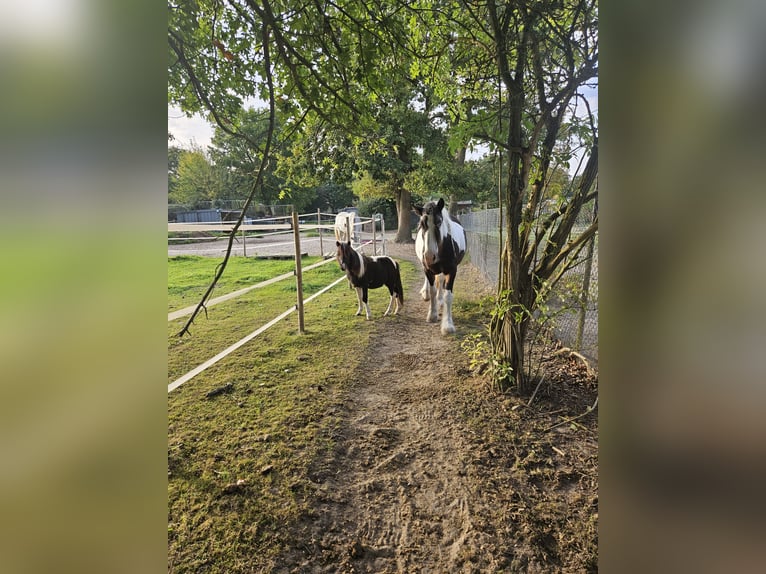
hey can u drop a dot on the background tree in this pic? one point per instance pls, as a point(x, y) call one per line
point(174, 155)
point(239, 160)
point(317, 165)
point(197, 181)
point(458, 180)
point(391, 152)
point(331, 197)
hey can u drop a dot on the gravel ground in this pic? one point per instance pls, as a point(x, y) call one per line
point(271, 246)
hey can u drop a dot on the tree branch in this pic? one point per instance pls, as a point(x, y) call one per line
point(176, 43)
point(256, 184)
point(570, 251)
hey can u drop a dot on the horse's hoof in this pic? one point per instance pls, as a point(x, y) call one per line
point(432, 319)
point(448, 329)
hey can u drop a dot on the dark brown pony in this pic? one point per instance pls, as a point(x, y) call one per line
point(370, 273)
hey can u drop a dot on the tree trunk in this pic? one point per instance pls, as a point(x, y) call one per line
point(508, 329)
point(403, 209)
point(460, 155)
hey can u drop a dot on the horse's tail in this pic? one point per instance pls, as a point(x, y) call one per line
point(399, 288)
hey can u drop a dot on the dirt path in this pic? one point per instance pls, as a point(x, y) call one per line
point(396, 497)
point(409, 487)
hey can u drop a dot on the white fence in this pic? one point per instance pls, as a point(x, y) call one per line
point(366, 230)
point(294, 227)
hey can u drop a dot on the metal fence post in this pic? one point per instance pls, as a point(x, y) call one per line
point(319, 223)
point(383, 233)
point(586, 286)
point(584, 295)
point(374, 243)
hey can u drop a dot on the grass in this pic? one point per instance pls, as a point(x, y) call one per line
point(190, 275)
point(278, 418)
point(283, 413)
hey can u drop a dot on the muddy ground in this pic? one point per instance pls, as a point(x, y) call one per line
point(434, 472)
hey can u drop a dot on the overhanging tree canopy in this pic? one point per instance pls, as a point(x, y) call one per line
point(510, 74)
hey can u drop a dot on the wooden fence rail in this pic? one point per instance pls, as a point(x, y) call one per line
point(298, 274)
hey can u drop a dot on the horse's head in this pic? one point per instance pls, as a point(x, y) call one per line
point(430, 229)
point(346, 256)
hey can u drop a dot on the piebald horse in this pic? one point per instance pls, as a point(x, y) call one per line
point(440, 247)
point(370, 273)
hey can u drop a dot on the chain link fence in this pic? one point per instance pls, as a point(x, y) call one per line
point(574, 300)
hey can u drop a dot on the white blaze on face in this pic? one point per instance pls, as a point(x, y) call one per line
point(426, 246)
point(420, 245)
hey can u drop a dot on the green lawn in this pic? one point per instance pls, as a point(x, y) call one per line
point(277, 419)
point(190, 275)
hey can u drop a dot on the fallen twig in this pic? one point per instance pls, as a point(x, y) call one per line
point(589, 410)
point(537, 388)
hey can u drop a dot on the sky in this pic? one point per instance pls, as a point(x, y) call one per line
point(189, 132)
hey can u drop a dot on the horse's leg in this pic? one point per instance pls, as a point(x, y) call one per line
point(433, 315)
point(447, 325)
point(394, 284)
point(425, 291)
point(359, 299)
point(440, 282)
point(390, 284)
point(390, 301)
point(366, 305)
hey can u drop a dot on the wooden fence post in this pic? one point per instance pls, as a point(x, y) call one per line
point(298, 271)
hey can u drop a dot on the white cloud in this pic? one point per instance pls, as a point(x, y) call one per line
point(189, 132)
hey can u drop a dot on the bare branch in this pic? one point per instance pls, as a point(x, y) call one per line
point(256, 184)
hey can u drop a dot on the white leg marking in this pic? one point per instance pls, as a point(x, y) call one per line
point(433, 315)
point(390, 303)
point(447, 324)
point(367, 309)
point(440, 283)
point(359, 299)
point(425, 291)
